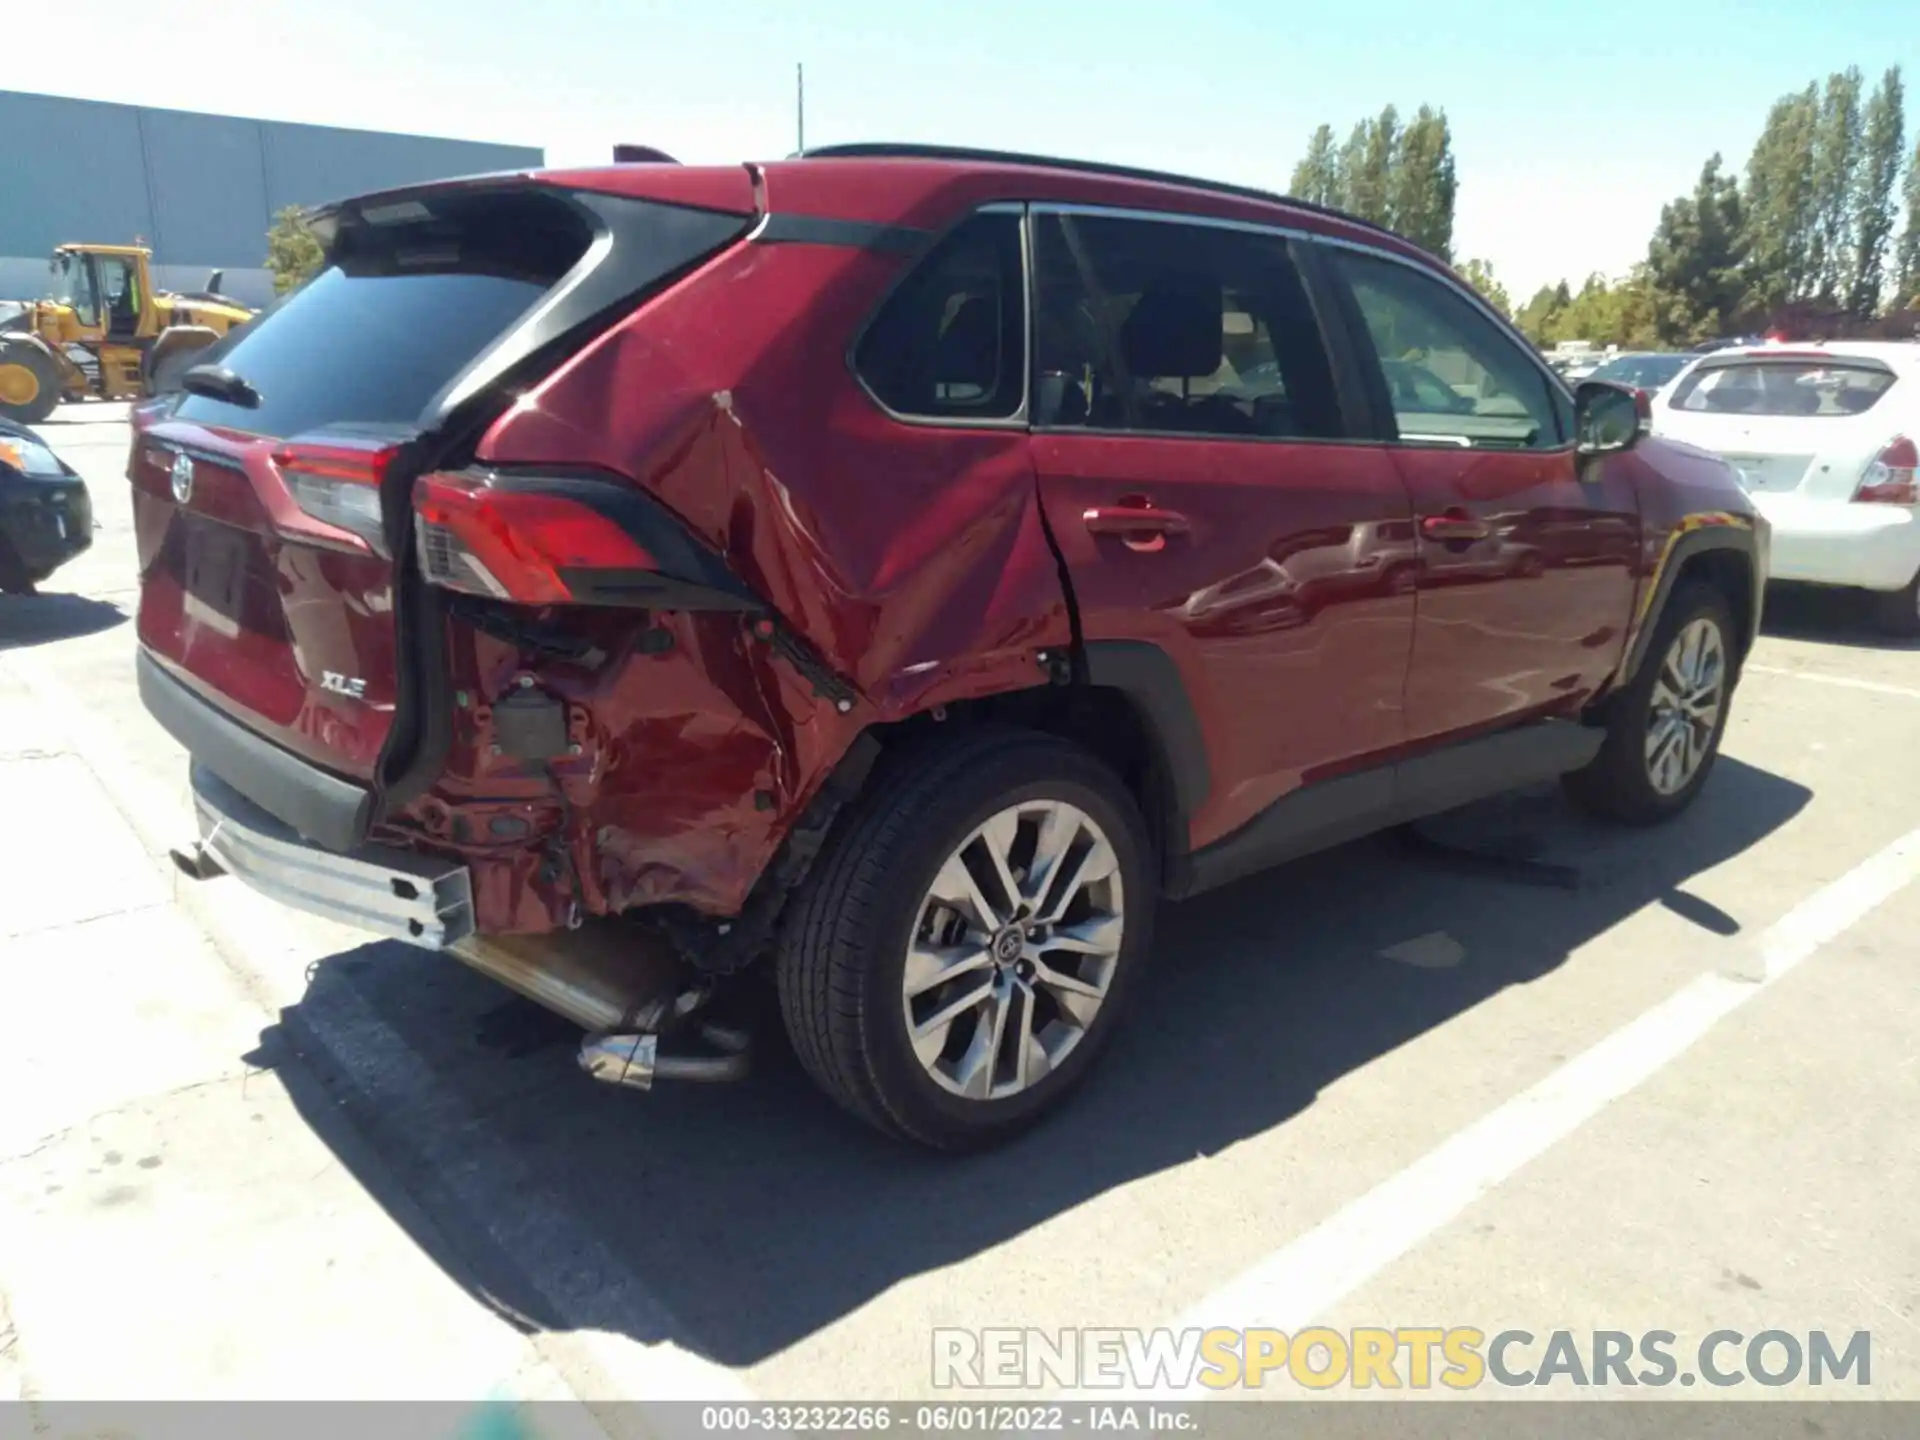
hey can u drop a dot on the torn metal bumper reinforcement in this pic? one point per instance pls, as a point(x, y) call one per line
point(627, 995)
point(421, 899)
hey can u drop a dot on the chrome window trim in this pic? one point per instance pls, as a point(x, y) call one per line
point(1314, 237)
point(1037, 208)
point(1018, 419)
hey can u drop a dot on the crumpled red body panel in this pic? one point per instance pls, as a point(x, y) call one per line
point(911, 559)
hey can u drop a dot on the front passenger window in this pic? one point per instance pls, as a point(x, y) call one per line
point(1450, 375)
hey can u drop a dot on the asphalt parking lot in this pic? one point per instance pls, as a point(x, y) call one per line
point(1677, 1090)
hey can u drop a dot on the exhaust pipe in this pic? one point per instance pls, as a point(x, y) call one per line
point(601, 977)
point(635, 1061)
point(626, 994)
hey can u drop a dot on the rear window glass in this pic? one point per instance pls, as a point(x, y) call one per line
point(405, 308)
point(1784, 387)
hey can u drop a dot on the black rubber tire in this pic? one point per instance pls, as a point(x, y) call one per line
point(841, 951)
point(19, 352)
point(1898, 611)
point(1615, 784)
point(14, 576)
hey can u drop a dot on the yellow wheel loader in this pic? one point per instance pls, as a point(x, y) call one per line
point(137, 342)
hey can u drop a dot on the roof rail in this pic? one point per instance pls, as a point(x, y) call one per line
point(887, 151)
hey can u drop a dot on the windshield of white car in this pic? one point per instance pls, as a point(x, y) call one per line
point(1818, 387)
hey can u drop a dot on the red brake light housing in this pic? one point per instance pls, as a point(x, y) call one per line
point(547, 539)
point(337, 482)
point(1889, 480)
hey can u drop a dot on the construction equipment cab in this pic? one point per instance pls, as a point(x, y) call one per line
point(135, 340)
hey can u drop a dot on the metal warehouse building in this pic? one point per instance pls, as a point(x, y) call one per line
point(200, 190)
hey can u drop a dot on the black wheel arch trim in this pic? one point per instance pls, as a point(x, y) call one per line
point(1684, 547)
point(1148, 677)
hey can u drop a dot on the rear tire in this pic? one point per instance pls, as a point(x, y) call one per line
point(1898, 611)
point(1661, 739)
point(870, 951)
point(29, 382)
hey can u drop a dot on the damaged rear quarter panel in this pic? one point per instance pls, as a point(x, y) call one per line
point(910, 557)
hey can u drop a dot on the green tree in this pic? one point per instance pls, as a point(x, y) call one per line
point(1368, 164)
point(1836, 164)
point(1883, 141)
point(1479, 274)
point(293, 250)
point(1538, 315)
point(1423, 184)
point(1694, 261)
point(1316, 179)
point(1399, 176)
point(1907, 261)
point(1780, 202)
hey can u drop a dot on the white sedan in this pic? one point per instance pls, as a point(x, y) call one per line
point(1824, 439)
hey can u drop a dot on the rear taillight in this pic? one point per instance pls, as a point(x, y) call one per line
point(338, 484)
point(523, 544)
point(1889, 480)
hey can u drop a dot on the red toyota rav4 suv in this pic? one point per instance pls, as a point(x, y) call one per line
point(903, 567)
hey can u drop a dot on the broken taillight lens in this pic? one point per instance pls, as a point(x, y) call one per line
point(522, 543)
point(338, 484)
point(1889, 480)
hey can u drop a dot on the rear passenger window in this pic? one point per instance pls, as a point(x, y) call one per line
point(1451, 375)
point(1166, 327)
point(950, 342)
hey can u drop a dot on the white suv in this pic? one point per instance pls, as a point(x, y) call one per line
point(1823, 437)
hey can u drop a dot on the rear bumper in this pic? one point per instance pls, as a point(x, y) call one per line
point(321, 806)
point(420, 899)
point(1828, 542)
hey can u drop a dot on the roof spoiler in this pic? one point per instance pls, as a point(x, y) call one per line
point(641, 155)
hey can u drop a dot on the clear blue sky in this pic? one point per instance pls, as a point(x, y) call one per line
point(1572, 120)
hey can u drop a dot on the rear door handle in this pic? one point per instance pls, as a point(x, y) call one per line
point(1134, 520)
point(1454, 525)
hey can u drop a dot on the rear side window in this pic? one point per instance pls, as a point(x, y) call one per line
point(1451, 375)
point(1800, 387)
point(1159, 326)
point(950, 342)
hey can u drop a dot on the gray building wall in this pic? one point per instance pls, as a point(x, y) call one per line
point(200, 190)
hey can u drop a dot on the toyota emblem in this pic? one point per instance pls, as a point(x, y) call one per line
point(182, 477)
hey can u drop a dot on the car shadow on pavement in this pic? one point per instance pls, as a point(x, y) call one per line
point(1827, 617)
point(755, 1214)
point(43, 618)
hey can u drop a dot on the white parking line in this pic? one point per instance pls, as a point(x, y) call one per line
point(1845, 682)
point(1299, 1282)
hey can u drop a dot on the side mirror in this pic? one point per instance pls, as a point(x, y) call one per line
point(1608, 418)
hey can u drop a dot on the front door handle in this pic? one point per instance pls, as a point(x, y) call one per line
point(1140, 527)
point(1454, 526)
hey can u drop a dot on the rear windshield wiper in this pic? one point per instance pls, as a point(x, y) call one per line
point(216, 382)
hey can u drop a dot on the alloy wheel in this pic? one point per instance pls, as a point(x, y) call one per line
point(1684, 712)
point(1014, 950)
